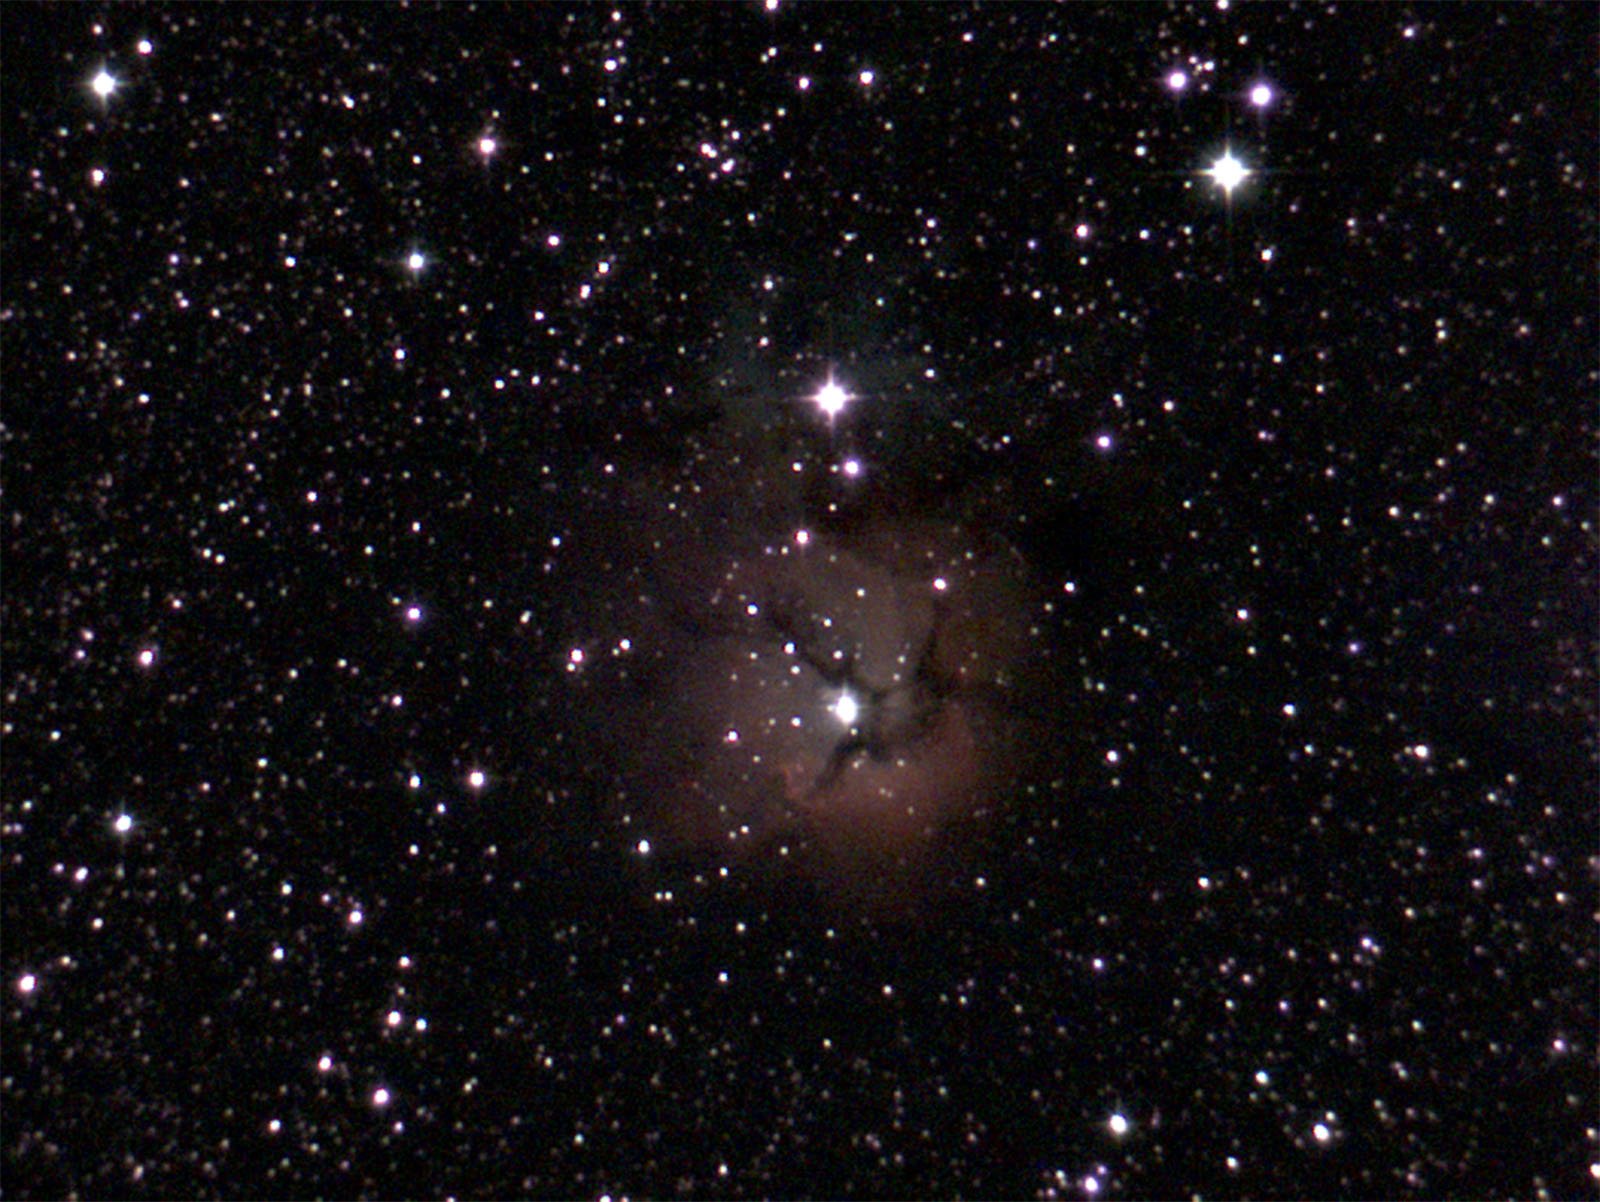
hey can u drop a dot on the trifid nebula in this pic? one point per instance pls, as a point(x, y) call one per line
point(783, 600)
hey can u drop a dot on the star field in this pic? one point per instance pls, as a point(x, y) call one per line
point(783, 600)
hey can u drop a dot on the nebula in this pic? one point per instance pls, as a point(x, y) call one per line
point(839, 696)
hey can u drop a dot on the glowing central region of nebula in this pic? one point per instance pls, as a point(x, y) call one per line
point(852, 679)
point(840, 696)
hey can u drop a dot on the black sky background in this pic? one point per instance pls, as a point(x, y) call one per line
point(1303, 885)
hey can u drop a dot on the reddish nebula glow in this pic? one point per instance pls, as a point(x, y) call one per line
point(843, 704)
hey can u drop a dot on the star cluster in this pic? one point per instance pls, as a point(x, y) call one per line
point(787, 600)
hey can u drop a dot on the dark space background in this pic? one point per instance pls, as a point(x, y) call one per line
point(1294, 893)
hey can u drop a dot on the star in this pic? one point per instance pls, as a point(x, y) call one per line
point(104, 83)
point(1228, 172)
point(847, 708)
point(831, 398)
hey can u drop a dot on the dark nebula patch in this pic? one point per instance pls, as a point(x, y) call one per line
point(829, 678)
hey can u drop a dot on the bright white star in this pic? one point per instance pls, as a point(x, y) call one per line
point(1228, 172)
point(104, 83)
point(831, 398)
point(847, 709)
